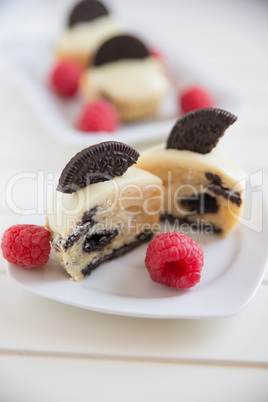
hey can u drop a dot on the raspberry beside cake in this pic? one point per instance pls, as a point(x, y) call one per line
point(102, 208)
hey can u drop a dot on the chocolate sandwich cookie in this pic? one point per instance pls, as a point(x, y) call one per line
point(97, 163)
point(200, 130)
point(86, 11)
point(103, 207)
point(121, 47)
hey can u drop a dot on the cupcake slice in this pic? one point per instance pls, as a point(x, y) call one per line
point(124, 72)
point(203, 187)
point(102, 208)
point(89, 25)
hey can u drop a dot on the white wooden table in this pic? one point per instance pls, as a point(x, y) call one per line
point(54, 352)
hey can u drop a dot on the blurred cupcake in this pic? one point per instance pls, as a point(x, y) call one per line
point(89, 25)
point(124, 72)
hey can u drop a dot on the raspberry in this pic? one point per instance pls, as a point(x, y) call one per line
point(100, 115)
point(26, 245)
point(175, 260)
point(65, 78)
point(195, 98)
point(157, 54)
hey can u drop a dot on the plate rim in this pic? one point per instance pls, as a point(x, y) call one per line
point(244, 232)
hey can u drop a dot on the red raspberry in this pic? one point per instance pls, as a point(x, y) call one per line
point(100, 115)
point(174, 259)
point(65, 78)
point(195, 98)
point(26, 245)
point(157, 54)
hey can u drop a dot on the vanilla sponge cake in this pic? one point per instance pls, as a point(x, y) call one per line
point(102, 220)
point(201, 184)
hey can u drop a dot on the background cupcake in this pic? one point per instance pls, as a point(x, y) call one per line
point(89, 25)
point(124, 71)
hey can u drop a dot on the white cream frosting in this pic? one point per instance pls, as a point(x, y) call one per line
point(64, 210)
point(216, 160)
point(85, 37)
point(137, 79)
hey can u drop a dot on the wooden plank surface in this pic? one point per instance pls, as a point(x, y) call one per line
point(31, 323)
point(82, 380)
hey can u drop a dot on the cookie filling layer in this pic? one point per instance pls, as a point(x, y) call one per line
point(83, 227)
point(200, 204)
point(217, 188)
point(97, 241)
point(141, 238)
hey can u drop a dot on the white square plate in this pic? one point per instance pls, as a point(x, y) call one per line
point(233, 270)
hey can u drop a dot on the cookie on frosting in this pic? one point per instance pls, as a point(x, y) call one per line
point(124, 72)
point(203, 187)
point(89, 25)
point(103, 207)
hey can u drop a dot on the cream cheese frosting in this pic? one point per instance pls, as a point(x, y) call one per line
point(86, 37)
point(136, 79)
point(216, 159)
point(64, 210)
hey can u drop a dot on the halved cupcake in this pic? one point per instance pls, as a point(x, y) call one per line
point(89, 25)
point(102, 208)
point(203, 187)
point(124, 72)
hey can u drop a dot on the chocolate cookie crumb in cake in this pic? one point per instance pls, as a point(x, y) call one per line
point(103, 207)
point(202, 185)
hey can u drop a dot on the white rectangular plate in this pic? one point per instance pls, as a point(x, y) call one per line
point(30, 63)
